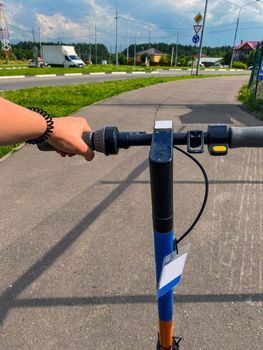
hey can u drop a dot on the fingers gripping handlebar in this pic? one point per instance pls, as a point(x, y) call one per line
point(109, 140)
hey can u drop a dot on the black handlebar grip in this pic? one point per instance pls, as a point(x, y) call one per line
point(86, 136)
point(246, 137)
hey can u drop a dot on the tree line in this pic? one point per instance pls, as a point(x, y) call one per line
point(98, 53)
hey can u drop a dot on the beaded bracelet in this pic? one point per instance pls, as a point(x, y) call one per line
point(48, 131)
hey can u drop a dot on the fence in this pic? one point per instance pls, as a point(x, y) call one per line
point(256, 78)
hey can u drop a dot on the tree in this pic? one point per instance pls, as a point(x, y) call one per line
point(165, 60)
point(146, 56)
point(183, 61)
point(250, 59)
point(122, 59)
point(227, 57)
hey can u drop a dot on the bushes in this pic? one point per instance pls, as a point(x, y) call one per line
point(246, 95)
point(122, 59)
point(239, 65)
point(165, 60)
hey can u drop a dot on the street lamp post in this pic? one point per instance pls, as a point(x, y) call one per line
point(134, 54)
point(176, 50)
point(150, 32)
point(39, 36)
point(177, 42)
point(60, 38)
point(116, 37)
point(95, 39)
point(235, 36)
point(127, 53)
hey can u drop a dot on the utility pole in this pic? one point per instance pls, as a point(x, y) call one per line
point(40, 46)
point(134, 54)
point(172, 56)
point(60, 38)
point(116, 47)
point(150, 30)
point(90, 53)
point(201, 40)
point(176, 51)
point(5, 44)
point(35, 50)
point(96, 47)
point(127, 54)
point(135, 44)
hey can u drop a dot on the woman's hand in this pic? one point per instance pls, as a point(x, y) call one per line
point(66, 137)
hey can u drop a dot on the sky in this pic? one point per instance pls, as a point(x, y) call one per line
point(140, 21)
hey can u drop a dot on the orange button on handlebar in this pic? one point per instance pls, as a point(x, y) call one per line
point(221, 149)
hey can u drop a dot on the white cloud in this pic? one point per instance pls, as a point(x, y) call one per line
point(218, 11)
point(99, 11)
point(13, 13)
point(58, 27)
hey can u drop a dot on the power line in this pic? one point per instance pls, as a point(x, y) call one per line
point(20, 29)
point(135, 21)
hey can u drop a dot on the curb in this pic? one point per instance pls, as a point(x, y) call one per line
point(10, 68)
point(113, 73)
point(12, 152)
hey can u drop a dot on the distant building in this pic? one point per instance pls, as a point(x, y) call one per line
point(155, 55)
point(207, 61)
point(243, 49)
point(211, 61)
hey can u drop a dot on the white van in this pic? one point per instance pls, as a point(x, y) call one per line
point(61, 55)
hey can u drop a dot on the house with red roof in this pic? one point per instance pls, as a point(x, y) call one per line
point(155, 55)
point(243, 49)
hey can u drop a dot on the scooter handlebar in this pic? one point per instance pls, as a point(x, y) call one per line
point(251, 136)
point(108, 140)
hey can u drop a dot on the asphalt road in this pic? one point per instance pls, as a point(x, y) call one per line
point(28, 82)
point(77, 262)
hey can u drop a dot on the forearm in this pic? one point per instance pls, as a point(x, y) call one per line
point(18, 124)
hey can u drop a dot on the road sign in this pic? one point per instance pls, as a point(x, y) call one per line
point(260, 73)
point(197, 28)
point(198, 18)
point(195, 39)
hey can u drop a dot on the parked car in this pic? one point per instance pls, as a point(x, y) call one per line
point(218, 65)
point(40, 64)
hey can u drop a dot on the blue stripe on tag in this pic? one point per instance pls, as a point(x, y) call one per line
point(163, 243)
point(168, 287)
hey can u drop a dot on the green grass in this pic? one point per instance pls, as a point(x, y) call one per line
point(4, 64)
point(5, 149)
point(86, 70)
point(246, 96)
point(61, 101)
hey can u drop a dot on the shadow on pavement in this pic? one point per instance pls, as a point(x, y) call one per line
point(189, 182)
point(137, 299)
point(220, 113)
point(9, 297)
